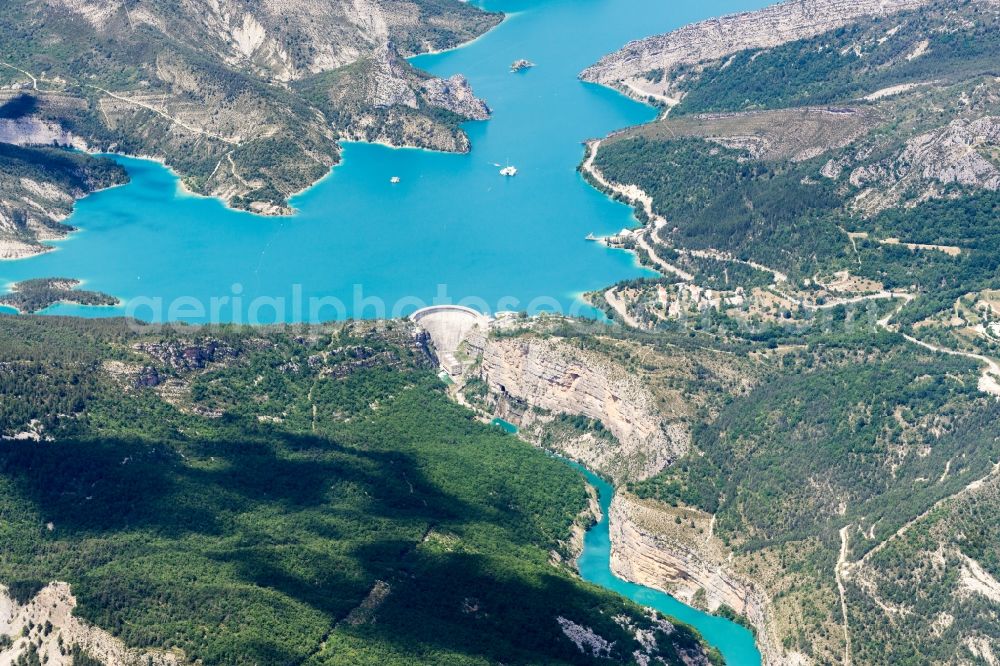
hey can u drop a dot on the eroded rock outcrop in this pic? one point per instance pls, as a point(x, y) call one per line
point(45, 625)
point(389, 81)
point(591, 643)
point(455, 94)
point(387, 100)
point(931, 161)
point(185, 356)
point(711, 40)
point(649, 547)
point(531, 378)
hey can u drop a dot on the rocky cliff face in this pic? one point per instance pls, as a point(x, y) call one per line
point(643, 69)
point(45, 625)
point(288, 40)
point(530, 379)
point(928, 163)
point(650, 548)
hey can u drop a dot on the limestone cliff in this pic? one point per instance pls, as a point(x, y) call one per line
point(45, 625)
point(531, 378)
point(650, 547)
point(643, 69)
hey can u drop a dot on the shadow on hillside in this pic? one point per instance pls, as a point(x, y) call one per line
point(493, 608)
point(18, 107)
point(107, 485)
point(300, 515)
point(234, 525)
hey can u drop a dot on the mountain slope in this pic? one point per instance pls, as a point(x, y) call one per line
point(37, 190)
point(266, 496)
point(244, 100)
point(653, 68)
point(826, 191)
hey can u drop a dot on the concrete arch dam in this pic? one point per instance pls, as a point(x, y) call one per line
point(449, 326)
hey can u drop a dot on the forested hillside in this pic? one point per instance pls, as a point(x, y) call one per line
point(263, 496)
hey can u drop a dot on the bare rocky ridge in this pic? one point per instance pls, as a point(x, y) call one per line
point(47, 622)
point(455, 94)
point(717, 38)
point(949, 155)
point(36, 132)
point(284, 40)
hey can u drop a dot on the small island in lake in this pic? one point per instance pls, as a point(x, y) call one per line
point(32, 296)
point(520, 64)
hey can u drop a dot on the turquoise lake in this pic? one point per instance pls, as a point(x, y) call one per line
point(381, 249)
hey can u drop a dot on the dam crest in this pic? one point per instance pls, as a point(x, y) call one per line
point(448, 326)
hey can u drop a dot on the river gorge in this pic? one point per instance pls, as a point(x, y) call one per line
point(595, 564)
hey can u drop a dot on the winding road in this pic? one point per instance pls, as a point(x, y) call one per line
point(989, 380)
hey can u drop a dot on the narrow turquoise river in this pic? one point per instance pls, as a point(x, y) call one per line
point(451, 229)
point(736, 643)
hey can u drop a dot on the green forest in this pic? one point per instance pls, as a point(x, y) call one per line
point(39, 293)
point(292, 474)
point(716, 197)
